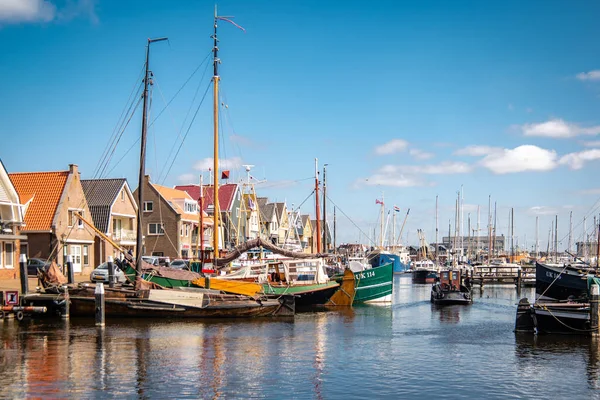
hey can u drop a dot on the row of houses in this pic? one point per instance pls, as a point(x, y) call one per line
point(39, 218)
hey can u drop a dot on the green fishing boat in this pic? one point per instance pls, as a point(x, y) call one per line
point(373, 285)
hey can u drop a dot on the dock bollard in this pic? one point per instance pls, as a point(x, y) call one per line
point(70, 272)
point(594, 297)
point(519, 278)
point(99, 295)
point(111, 272)
point(23, 273)
point(67, 306)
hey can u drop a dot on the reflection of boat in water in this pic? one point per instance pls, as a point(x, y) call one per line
point(449, 314)
point(449, 289)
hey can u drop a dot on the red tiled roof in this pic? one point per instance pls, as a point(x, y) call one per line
point(226, 194)
point(44, 189)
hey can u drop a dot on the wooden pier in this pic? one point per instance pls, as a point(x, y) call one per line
point(517, 275)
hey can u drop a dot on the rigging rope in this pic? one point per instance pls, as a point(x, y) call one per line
point(349, 219)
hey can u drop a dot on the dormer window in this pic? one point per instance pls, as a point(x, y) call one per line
point(190, 207)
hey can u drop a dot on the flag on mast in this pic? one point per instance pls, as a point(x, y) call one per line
point(377, 201)
point(396, 208)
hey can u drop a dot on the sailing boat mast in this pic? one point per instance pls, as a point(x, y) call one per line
point(140, 213)
point(317, 210)
point(216, 208)
point(437, 245)
point(324, 210)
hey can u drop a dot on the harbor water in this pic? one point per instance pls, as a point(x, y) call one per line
point(410, 349)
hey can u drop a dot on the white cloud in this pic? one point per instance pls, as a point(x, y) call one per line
point(13, 11)
point(18, 11)
point(207, 163)
point(592, 143)
point(476, 151)
point(391, 147)
point(558, 128)
point(519, 159)
point(542, 210)
point(589, 76)
point(576, 160)
point(188, 178)
point(420, 154)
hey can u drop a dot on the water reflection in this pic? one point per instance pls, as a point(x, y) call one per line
point(449, 314)
point(530, 349)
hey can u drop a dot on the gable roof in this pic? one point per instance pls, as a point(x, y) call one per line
point(267, 212)
point(7, 189)
point(44, 190)
point(171, 195)
point(226, 194)
point(280, 210)
point(100, 195)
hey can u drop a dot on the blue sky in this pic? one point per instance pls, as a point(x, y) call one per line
point(408, 100)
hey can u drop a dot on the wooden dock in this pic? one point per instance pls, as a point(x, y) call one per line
point(511, 274)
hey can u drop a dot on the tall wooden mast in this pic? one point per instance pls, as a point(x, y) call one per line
point(317, 209)
point(216, 209)
point(140, 213)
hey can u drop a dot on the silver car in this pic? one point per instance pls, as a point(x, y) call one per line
point(100, 274)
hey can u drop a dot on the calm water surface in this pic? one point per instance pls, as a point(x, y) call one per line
point(408, 350)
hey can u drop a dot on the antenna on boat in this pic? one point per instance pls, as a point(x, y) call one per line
point(140, 211)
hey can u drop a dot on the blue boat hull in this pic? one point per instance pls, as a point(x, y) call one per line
point(397, 266)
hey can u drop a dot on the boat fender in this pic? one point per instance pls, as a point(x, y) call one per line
point(19, 315)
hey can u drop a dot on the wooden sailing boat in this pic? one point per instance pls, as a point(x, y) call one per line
point(147, 299)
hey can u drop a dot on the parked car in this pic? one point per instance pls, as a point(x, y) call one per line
point(152, 260)
point(100, 274)
point(34, 263)
point(180, 264)
point(164, 261)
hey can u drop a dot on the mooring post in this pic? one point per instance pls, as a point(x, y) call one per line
point(111, 272)
point(519, 278)
point(70, 272)
point(99, 294)
point(595, 295)
point(23, 275)
point(66, 308)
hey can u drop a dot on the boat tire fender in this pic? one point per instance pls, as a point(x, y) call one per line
point(19, 315)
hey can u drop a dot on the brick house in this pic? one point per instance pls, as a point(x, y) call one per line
point(11, 220)
point(51, 200)
point(113, 210)
point(170, 217)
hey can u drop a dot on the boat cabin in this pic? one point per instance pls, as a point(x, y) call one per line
point(450, 280)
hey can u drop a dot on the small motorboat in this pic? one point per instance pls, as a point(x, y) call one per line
point(450, 290)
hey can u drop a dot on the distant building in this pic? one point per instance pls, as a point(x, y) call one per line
point(471, 242)
point(589, 249)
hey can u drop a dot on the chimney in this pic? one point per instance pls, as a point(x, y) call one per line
point(73, 168)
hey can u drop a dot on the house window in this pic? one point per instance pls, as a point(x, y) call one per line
point(8, 254)
point(74, 220)
point(86, 258)
point(1, 265)
point(155, 229)
point(123, 195)
point(237, 211)
point(148, 206)
point(187, 230)
point(190, 207)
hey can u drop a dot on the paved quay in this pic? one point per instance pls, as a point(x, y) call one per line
point(15, 284)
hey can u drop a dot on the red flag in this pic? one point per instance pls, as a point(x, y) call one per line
point(224, 174)
point(377, 201)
